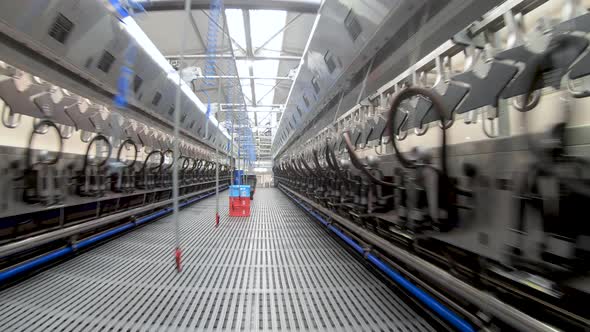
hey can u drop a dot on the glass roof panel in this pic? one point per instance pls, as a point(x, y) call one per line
point(267, 40)
point(243, 69)
point(265, 91)
point(235, 24)
point(264, 25)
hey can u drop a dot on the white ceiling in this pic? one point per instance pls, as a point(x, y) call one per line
point(270, 37)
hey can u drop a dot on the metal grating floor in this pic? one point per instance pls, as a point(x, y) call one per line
point(277, 270)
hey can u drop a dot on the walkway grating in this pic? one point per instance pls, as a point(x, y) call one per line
point(277, 270)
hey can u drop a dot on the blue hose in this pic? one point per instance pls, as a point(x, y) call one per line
point(102, 236)
point(128, 8)
point(425, 298)
point(347, 239)
point(15, 271)
point(459, 323)
point(44, 259)
point(152, 216)
point(123, 10)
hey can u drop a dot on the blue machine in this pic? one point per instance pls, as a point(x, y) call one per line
point(245, 191)
point(238, 174)
point(234, 191)
point(239, 191)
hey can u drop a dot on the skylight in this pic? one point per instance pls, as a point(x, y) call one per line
point(264, 24)
point(235, 23)
point(256, 38)
point(267, 40)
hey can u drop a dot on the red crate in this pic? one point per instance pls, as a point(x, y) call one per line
point(239, 201)
point(239, 206)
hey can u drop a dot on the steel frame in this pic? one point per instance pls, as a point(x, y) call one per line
point(302, 6)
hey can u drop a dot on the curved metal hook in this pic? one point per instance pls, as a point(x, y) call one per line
point(13, 119)
point(483, 126)
point(532, 102)
point(66, 131)
point(41, 128)
point(85, 136)
point(380, 146)
point(421, 131)
point(405, 133)
point(437, 106)
point(576, 93)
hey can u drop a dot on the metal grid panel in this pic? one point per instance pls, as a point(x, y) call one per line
point(277, 270)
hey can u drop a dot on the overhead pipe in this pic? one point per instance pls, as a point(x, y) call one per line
point(300, 6)
point(359, 165)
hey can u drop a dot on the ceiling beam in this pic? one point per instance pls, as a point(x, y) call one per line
point(220, 92)
point(301, 6)
point(243, 139)
point(224, 29)
point(246, 99)
point(228, 107)
point(248, 111)
point(285, 27)
point(238, 57)
point(206, 89)
point(269, 91)
point(196, 29)
point(227, 33)
point(250, 52)
point(224, 77)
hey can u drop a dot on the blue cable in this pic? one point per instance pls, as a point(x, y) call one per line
point(125, 9)
point(214, 13)
point(126, 76)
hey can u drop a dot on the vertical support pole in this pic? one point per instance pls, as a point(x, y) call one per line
point(219, 93)
point(232, 159)
point(217, 182)
point(207, 126)
point(178, 252)
point(239, 152)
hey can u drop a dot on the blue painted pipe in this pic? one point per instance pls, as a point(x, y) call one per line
point(347, 239)
point(13, 272)
point(448, 315)
point(102, 236)
point(42, 260)
point(432, 303)
point(152, 216)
